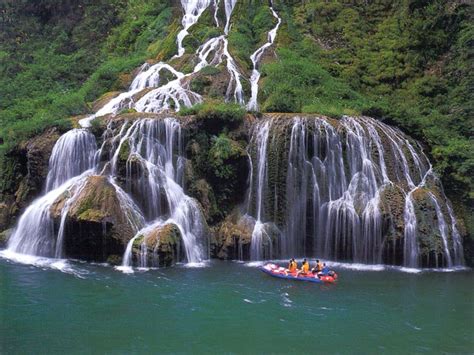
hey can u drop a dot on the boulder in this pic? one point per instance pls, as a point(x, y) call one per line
point(98, 224)
point(160, 247)
point(233, 237)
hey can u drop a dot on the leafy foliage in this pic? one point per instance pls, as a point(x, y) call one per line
point(406, 62)
point(57, 56)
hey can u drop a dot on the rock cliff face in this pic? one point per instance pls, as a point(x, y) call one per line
point(97, 225)
point(23, 175)
point(310, 193)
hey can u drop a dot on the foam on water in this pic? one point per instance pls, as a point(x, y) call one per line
point(62, 265)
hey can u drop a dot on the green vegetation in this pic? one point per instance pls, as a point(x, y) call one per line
point(222, 150)
point(250, 25)
point(405, 62)
point(216, 112)
point(296, 83)
point(56, 57)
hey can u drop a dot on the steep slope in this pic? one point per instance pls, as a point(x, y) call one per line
point(405, 63)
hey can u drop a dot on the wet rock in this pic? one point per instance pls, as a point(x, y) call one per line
point(429, 236)
point(233, 237)
point(161, 247)
point(392, 205)
point(97, 225)
point(114, 260)
point(23, 174)
point(4, 237)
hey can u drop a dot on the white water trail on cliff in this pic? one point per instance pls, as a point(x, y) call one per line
point(332, 194)
point(73, 153)
point(155, 163)
point(193, 9)
point(176, 93)
point(216, 10)
point(35, 233)
point(229, 8)
point(255, 58)
point(458, 248)
point(259, 233)
point(443, 230)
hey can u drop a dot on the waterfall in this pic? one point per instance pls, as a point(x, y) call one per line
point(411, 249)
point(317, 186)
point(323, 184)
point(193, 9)
point(443, 229)
point(73, 153)
point(255, 58)
point(154, 178)
point(261, 141)
point(35, 233)
point(156, 146)
point(458, 249)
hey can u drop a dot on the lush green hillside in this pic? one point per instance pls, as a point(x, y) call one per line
point(405, 62)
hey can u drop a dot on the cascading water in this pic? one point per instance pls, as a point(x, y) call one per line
point(193, 9)
point(443, 229)
point(330, 197)
point(259, 233)
point(317, 187)
point(176, 93)
point(155, 145)
point(255, 58)
point(72, 158)
point(73, 153)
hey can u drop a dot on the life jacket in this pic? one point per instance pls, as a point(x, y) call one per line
point(292, 266)
point(305, 267)
point(319, 267)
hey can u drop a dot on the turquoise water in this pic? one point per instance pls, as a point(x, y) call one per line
point(232, 308)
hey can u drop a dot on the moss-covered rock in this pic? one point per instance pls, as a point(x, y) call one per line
point(159, 247)
point(429, 236)
point(392, 205)
point(98, 224)
point(233, 237)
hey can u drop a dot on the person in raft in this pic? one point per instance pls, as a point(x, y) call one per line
point(318, 267)
point(292, 267)
point(304, 269)
point(326, 271)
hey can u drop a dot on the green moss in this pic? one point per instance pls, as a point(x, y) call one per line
point(224, 151)
point(210, 70)
point(124, 152)
point(127, 110)
point(92, 215)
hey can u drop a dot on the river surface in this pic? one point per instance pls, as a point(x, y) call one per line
point(229, 307)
